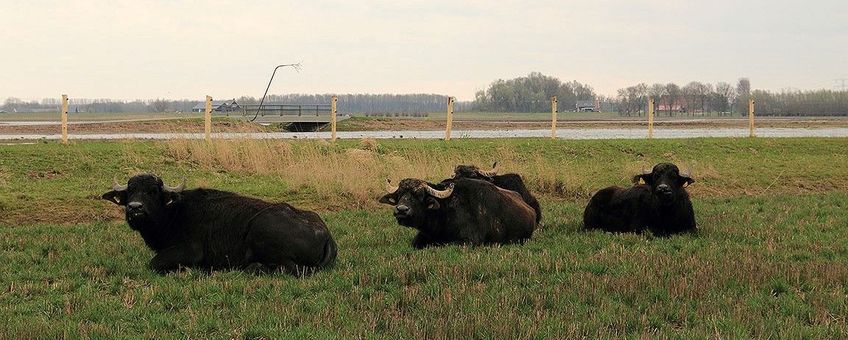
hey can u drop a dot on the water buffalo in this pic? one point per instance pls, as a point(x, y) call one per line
point(215, 229)
point(512, 182)
point(465, 211)
point(661, 205)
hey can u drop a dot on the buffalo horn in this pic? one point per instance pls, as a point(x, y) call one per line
point(389, 187)
point(176, 189)
point(440, 193)
point(118, 187)
point(490, 173)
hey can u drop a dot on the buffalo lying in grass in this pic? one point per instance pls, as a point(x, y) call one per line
point(512, 182)
point(464, 211)
point(661, 205)
point(215, 229)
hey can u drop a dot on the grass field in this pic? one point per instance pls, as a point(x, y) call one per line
point(771, 259)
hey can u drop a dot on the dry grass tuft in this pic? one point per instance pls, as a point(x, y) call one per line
point(369, 144)
point(335, 174)
point(355, 176)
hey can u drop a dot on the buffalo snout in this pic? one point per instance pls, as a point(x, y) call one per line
point(402, 211)
point(135, 210)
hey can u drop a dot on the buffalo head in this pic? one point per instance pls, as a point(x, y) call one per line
point(666, 181)
point(144, 197)
point(472, 171)
point(412, 198)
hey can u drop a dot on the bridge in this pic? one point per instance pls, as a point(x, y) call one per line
point(295, 117)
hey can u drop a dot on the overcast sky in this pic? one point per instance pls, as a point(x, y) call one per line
point(187, 49)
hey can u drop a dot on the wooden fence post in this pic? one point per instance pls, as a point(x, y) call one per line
point(333, 115)
point(64, 119)
point(651, 103)
point(207, 119)
point(751, 117)
point(553, 117)
point(450, 119)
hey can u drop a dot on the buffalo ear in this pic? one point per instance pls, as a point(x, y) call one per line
point(117, 197)
point(172, 197)
point(644, 177)
point(388, 199)
point(433, 204)
point(688, 180)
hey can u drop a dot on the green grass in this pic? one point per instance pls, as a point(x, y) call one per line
point(770, 260)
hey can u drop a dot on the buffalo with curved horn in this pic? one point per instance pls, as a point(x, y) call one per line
point(509, 181)
point(215, 229)
point(464, 211)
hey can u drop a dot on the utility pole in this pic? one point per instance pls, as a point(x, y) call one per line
point(841, 83)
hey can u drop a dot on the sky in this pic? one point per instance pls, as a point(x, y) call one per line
point(189, 49)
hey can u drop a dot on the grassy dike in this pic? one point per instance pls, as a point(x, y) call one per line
point(770, 260)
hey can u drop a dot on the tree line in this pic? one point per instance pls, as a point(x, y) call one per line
point(793, 103)
point(347, 103)
point(693, 98)
point(696, 98)
point(529, 93)
point(13, 104)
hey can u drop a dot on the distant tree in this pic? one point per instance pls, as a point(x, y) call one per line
point(743, 93)
point(641, 94)
point(12, 104)
point(531, 93)
point(704, 91)
point(632, 100)
point(726, 96)
point(658, 92)
point(673, 93)
point(691, 93)
point(481, 101)
point(159, 105)
point(247, 100)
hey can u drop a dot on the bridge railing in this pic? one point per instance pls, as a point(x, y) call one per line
point(286, 109)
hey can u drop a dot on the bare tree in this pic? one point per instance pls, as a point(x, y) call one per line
point(743, 93)
point(159, 105)
point(727, 96)
point(658, 92)
point(704, 91)
point(673, 94)
point(690, 93)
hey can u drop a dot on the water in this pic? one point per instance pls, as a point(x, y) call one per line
point(591, 133)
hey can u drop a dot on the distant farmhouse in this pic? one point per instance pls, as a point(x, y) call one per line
point(679, 105)
point(218, 106)
point(587, 106)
